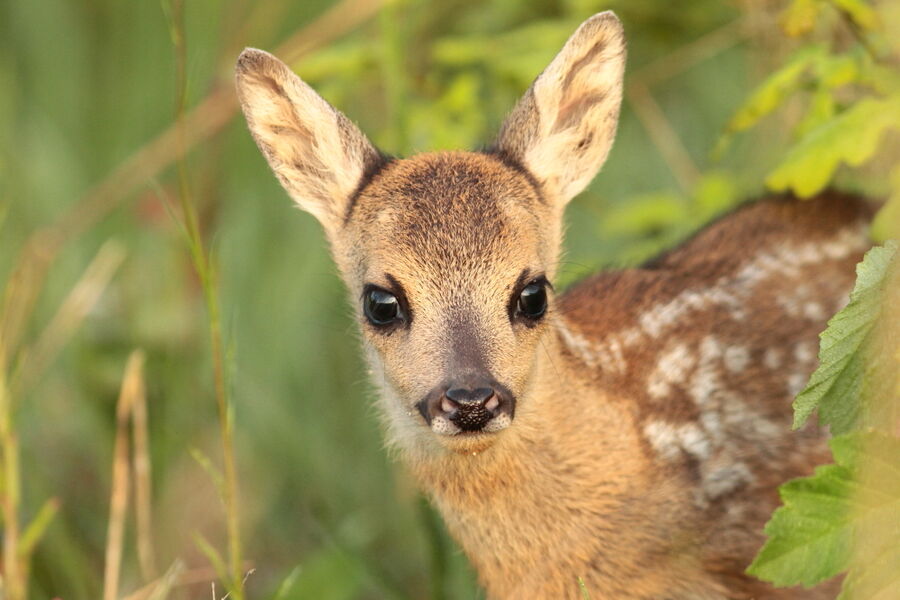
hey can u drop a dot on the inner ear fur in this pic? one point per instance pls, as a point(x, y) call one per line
point(317, 153)
point(563, 127)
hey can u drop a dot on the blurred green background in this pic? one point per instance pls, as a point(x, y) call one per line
point(86, 88)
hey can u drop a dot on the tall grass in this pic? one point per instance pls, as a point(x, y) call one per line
point(206, 270)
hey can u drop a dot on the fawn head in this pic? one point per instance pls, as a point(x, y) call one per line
point(448, 257)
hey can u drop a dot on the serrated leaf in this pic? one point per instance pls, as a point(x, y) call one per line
point(826, 519)
point(851, 137)
point(835, 386)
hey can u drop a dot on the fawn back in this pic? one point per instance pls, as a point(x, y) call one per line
point(630, 432)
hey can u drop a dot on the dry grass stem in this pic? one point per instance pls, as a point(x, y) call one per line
point(22, 288)
point(69, 316)
point(664, 136)
point(34, 532)
point(333, 23)
point(649, 112)
point(13, 584)
point(142, 489)
point(132, 388)
point(688, 55)
point(178, 578)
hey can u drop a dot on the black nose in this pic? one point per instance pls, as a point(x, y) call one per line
point(466, 397)
point(468, 407)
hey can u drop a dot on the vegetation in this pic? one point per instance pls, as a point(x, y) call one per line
point(174, 344)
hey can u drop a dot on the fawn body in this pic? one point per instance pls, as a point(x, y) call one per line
point(630, 432)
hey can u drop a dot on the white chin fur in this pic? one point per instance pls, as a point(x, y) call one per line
point(443, 426)
point(498, 423)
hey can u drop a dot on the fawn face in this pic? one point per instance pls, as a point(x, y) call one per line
point(448, 257)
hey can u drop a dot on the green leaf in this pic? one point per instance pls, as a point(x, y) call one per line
point(887, 222)
point(800, 17)
point(287, 584)
point(37, 528)
point(835, 70)
point(214, 474)
point(585, 594)
point(821, 110)
point(851, 137)
point(859, 11)
point(167, 582)
point(772, 92)
point(881, 580)
point(215, 559)
point(645, 214)
point(835, 388)
point(809, 536)
point(835, 520)
point(874, 569)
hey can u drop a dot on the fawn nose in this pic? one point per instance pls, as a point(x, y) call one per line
point(475, 408)
point(470, 410)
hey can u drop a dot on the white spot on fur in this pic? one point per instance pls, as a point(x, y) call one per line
point(618, 358)
point(706, 380)
point(670, 440)
point(813, 311)
point(772, 358)
point(796, 382)
point(736, 358)
point(789, 305)
point(672, 367)
point(712, 424)
point(631, 336)
point(842, 302)
point(803, 352)
point(608, 356)
point(578, 344)
point(694, 441)
point(663, 439)
point(727, 478)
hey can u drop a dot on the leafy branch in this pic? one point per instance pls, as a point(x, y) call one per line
point(846, 517)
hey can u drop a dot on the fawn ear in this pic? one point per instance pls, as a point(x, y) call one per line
point(562, 128)
point(318, 155)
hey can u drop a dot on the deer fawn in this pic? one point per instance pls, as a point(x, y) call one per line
point(631, 432)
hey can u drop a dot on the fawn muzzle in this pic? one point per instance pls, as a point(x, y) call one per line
point(482, 406)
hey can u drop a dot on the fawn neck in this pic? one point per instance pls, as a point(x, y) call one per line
point(537, 487)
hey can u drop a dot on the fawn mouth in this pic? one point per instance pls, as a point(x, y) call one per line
point(444, 426)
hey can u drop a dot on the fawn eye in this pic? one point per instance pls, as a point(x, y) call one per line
point(532, 302)
point(381, 308)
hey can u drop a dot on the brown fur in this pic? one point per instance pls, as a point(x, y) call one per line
point(652, 418)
